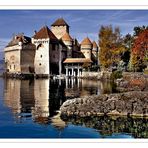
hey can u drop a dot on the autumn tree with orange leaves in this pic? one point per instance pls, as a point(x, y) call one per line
point(139, 52)
point(111, 46)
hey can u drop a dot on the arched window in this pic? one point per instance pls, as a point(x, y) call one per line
point(40, 45)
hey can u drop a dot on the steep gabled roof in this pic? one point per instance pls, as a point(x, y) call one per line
point(67, 37)
point(60, 22)
point(44, 33)
point(19, 38)
point(86, 41)
point(94, 44)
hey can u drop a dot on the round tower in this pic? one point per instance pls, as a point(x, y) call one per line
point(68, 41)
point(86, 47)
point(95, 50)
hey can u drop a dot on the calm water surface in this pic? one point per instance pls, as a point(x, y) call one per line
point(29, 109)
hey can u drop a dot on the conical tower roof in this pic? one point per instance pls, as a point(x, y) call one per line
point(67, 37)
point(94, 44)
point(86, 41)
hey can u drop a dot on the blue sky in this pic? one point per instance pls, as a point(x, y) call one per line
point(82, 22)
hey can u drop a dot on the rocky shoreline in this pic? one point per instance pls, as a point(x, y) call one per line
point(132, 82)
point(131, 100)
point(133, 103)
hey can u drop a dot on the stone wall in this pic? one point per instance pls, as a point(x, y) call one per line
point(41, 61)
point(91, 75)
point(12, 59)
point(59, 31)
point(130, 103)
point(103, 75)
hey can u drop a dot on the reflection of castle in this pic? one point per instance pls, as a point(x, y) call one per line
point(48, 51)
point(83, 87)
point(26, 98)
point(19, 96)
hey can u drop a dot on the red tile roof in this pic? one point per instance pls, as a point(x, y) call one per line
point(66, 37)
point(77, 60)
point(60, 22)
point(94, 44)
point(86, 41)
point(44, 33)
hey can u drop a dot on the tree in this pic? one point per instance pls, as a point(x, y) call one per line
point(111, 46)
point(125, 57)
point(139, 29)
point(139, 53)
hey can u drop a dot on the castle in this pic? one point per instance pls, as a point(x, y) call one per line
point(50, 51)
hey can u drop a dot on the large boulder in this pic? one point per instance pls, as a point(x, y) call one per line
point(133, 103)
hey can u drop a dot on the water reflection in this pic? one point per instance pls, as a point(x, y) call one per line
point(83, 87)
point(43, 97)
point(39, 101)
point(19, 95)
point(113, 127)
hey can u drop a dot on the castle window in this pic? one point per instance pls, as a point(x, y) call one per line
point(40, 45)
point(53, 46)
point(40, 64)
point(41, 56)
point(10, 66)
point(14, 66)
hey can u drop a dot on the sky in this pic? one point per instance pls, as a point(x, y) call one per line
point(82, 23)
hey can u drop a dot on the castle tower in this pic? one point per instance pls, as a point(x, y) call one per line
point(17, 51)
point(59, 28)
point(86, 47)
point(44, 40)
point(95, 51)
point(68, 41)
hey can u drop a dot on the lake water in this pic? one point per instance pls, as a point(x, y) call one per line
point(29, 109)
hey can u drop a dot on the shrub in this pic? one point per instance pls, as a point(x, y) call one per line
point(116, 75)
point(146, 72)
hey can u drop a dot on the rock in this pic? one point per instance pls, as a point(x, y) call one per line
point(129, 103)
point(132, 82)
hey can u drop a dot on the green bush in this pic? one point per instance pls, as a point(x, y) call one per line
point(116, 75)
point(146, 71)
point(94, 68)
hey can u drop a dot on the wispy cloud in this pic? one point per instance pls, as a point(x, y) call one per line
point(82, 22)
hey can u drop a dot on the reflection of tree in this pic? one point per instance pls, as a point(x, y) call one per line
point(137, 127)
